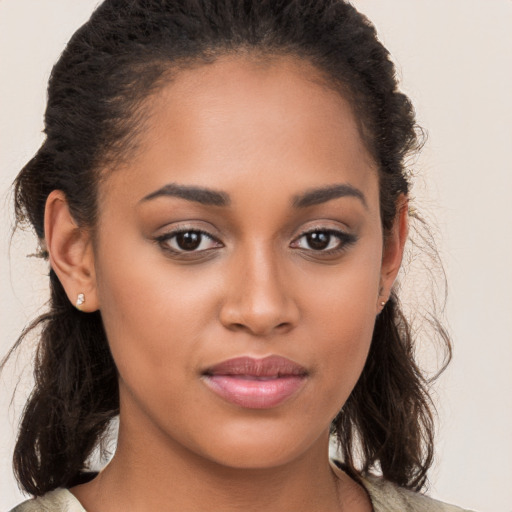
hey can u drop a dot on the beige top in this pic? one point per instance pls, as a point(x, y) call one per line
point(385, 497)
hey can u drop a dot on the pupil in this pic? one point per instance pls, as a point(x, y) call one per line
point(318, 241)
point(188, 241)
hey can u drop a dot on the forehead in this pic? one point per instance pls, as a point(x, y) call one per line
point(239, 118)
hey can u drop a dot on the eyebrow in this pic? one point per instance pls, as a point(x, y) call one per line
point(322, 195)
point(200, 195)
point(210, 197)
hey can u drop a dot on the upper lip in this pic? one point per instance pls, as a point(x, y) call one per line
point(271, 366)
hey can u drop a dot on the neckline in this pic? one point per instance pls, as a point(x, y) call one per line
point(337, 467)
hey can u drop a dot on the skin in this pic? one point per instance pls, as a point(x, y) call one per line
point(262, 134)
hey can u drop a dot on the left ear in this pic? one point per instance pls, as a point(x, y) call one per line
point(393, 250)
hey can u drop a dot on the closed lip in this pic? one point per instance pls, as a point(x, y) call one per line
point(271, 366)
point(255, 383)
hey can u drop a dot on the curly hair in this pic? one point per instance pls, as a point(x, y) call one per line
point(127, 51)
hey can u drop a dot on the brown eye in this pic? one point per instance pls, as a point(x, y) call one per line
point(318, 241)
point(324, 240)
point(188, 241)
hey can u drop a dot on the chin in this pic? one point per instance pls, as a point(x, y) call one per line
point(264, 448)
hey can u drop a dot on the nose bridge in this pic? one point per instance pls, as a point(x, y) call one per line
point(258, 298)
point(264, 287)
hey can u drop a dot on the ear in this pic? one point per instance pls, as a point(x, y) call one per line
point(70, 251)
point(393, 250)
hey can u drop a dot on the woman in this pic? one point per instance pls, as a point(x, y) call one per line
point(224, 204)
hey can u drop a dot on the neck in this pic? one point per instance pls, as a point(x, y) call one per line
point(158, 482)
point(153, 472)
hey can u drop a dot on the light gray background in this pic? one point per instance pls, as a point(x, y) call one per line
point(455, 62)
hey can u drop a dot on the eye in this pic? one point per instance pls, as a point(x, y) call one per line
point(324, 240)
point(190, 240)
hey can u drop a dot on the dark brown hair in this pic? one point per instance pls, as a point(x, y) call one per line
point(125, 52)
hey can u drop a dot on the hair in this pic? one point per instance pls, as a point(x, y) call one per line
point(127, 51)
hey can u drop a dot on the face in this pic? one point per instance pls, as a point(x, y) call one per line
point(238, 262)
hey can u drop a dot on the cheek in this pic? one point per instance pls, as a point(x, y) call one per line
point(343, 350)
point(343, 299)
point(152, 314)
point(341, 318)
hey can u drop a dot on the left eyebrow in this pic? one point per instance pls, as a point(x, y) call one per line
point(200, 195)
point(323, 194)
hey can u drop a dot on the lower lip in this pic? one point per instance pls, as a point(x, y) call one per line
point(254, 394)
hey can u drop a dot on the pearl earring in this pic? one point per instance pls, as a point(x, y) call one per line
point(80, 300)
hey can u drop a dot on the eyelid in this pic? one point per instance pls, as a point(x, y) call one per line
point(345, 239)
point(171, 233)
point(177, 231)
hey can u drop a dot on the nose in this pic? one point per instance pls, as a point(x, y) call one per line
point(258, 299)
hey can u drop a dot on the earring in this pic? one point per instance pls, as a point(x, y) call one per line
point(80, 300)
point(383, 303)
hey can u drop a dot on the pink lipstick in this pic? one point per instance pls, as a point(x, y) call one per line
point(255, 383)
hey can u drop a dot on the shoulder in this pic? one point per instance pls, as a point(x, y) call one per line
point(388, 497)
point(59, 500)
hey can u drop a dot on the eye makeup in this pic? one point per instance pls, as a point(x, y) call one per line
point(186, 242)
point(322, 241)
point(183, 241)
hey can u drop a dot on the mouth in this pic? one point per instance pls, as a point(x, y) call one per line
point(255, 383)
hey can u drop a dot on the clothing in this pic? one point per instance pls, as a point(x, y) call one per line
point(385, 497)
point(59, 500)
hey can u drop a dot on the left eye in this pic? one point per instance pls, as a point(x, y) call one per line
point(189, 241)
point(322, 240)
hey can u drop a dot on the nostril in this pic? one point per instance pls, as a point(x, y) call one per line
point(260, 330)
point(237, 327)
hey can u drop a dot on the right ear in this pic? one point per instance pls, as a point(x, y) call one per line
point(70, 251)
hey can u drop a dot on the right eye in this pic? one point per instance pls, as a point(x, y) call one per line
point(189, 240)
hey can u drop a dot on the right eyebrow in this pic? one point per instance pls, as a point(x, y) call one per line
point(203, 195)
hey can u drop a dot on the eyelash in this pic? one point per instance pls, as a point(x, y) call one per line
point(165, 238)
point(345, 240)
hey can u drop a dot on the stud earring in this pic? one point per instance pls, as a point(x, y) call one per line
point(80, 300)
point(383, 303)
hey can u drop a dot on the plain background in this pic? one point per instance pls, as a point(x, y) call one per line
point(454, 59)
